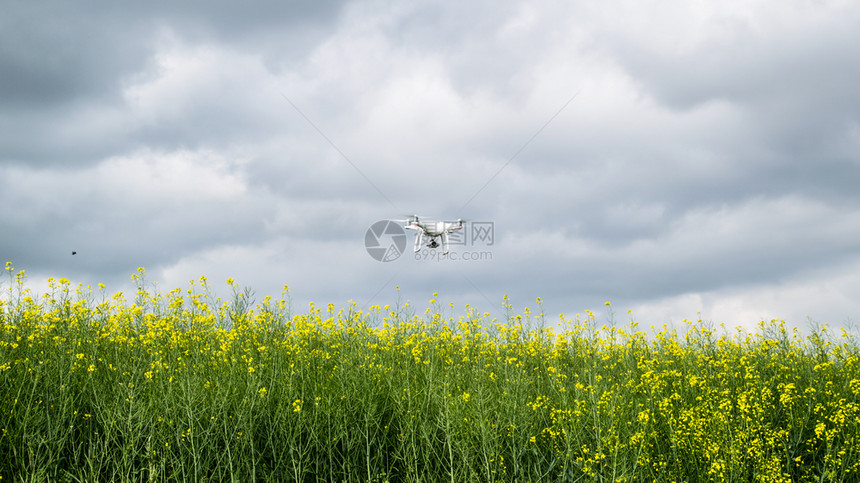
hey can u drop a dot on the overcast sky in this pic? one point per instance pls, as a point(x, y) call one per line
point(681, 159)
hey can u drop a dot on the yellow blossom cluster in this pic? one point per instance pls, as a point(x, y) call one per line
point(183, 385)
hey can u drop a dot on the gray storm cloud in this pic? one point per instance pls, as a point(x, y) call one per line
point(707, 165)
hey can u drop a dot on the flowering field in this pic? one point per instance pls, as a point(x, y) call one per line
point(185, 386)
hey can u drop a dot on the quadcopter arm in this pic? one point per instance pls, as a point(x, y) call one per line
point(452, 227)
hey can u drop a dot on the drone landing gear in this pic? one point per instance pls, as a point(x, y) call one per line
point(435, 243)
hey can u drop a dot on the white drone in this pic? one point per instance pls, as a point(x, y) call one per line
point(434, 230)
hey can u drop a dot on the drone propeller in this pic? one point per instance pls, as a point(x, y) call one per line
point(415, 218)
point(458, 221)
point(410, 218)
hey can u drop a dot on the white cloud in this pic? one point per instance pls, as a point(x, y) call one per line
point(813, 297)
point(170, 178)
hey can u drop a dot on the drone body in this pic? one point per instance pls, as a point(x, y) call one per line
point(433, 230)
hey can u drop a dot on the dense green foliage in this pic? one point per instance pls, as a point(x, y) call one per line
point(183, 386)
